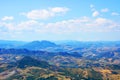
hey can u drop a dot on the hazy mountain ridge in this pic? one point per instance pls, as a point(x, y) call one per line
point(11, 44)
point(45, 44)
point(36, 45)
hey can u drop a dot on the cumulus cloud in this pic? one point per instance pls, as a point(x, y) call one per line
point(46, 13)
point(83, 24)
point(115, 14)
point(102, 21)
point(105, 10)
point(7, 26)
point(27, 25)
point(7, 18)
point(95, 13)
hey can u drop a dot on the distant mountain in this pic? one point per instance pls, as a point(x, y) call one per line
point(88, 44)
point(36, 45)
point(68, 42)
point(11, 44)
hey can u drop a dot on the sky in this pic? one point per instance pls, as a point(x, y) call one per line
point(83, 20)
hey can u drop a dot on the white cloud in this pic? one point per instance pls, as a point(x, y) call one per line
point(115, 14)
point(105, 10)
point(58, 9)
point(27, 25)
point(95, 13)
point(5, 26)
point(46, 13)
point(102, 21)
point(92, 7)
point(7, 18)
point(83, 24)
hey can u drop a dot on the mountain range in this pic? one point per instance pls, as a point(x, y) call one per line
point(69, 60)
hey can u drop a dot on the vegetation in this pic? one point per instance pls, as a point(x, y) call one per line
point(78, 61)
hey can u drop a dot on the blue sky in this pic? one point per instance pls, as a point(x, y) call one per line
point(84, 20)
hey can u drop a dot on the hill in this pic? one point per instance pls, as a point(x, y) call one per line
point(36, 45)
point(29, 62)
